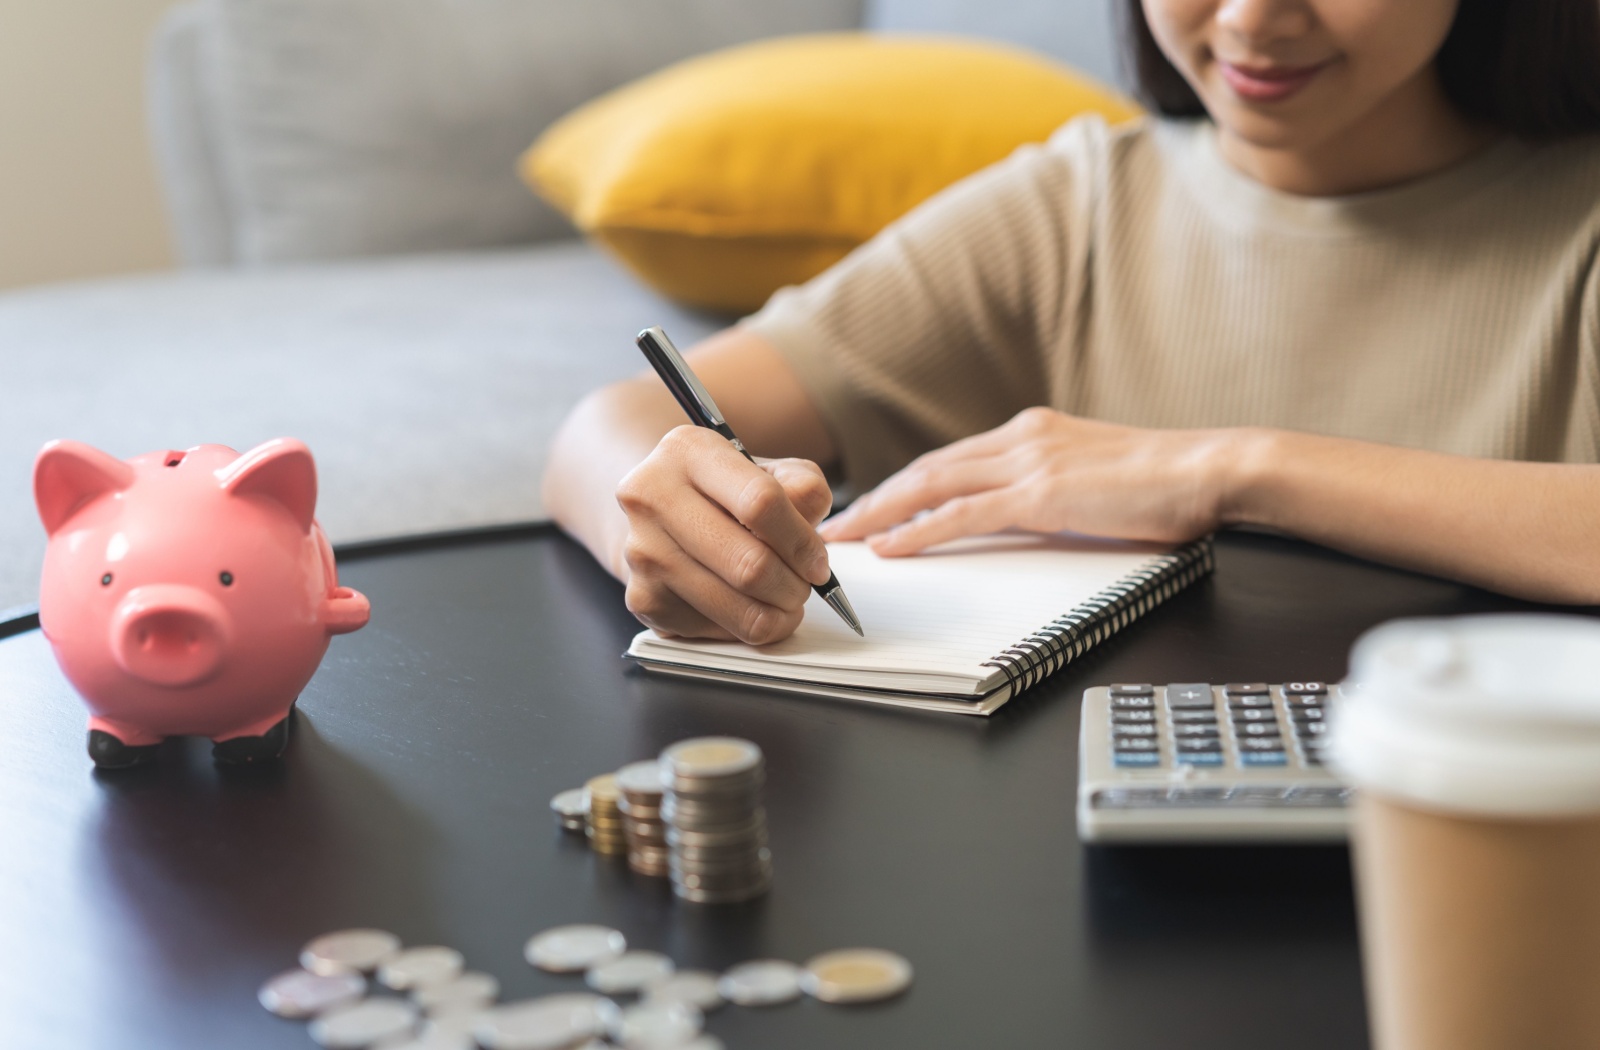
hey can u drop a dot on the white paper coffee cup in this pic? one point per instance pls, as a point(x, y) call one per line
point(1474, 746)
point(1488, 715)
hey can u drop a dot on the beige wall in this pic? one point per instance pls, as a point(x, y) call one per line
point(78, 190)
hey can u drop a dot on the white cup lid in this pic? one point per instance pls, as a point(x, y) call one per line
point(1494, 715)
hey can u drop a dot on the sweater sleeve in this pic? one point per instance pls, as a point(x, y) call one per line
point(940, 326)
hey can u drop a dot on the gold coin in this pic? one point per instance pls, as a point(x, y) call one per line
point(711, 756)
point(603, 789)
point(856, 975)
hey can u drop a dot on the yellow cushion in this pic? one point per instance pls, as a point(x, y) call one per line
point(723, 178)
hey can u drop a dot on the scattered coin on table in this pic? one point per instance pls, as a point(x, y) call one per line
point(551, 1022)
point(466, 991)
point(420, 967)
point(698, 988)
point(856, 975)
point(629, 972)
point(361, 1024)
point(568, 949)
point(298, 994)
point(349, 951)
point(655, 1026)
point(571, 809)
point(762, 982)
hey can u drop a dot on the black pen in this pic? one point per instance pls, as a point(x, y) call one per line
point(703, 412)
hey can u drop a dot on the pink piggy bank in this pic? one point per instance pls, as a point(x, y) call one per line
point(187, 593)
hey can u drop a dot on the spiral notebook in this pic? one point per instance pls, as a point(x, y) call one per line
point(962, 627)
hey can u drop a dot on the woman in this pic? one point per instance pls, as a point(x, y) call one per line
point(1346, 288)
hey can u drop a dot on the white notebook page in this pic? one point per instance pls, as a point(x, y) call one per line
point(931, 620)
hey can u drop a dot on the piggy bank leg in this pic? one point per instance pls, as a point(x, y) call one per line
point(255, 744)
point(114, 746)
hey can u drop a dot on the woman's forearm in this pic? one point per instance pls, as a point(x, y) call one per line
point(1531, 530)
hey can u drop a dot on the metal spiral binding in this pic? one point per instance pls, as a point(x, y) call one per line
point(1062, 640)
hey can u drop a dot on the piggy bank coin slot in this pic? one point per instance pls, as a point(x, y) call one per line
point(172, 459)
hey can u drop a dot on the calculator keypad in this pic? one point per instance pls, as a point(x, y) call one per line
point(1241, 724)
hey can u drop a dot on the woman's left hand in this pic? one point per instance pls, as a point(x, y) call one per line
point(1045, 471)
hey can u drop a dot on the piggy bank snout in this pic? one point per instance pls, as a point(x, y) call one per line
point(169, 635)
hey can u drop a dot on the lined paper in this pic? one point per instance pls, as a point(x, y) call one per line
point(931, 620)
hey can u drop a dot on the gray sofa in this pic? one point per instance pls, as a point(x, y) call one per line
point(361, 268)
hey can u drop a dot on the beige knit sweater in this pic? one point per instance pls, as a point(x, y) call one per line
point(1130, 275)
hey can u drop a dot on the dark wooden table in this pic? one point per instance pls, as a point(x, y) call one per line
point(143, 909)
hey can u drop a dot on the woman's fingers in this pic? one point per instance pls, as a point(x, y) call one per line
point(709, 535)
point(805, 485)
point(925, 484)
point(972, 515)
point(670, 591)
point(760, 503)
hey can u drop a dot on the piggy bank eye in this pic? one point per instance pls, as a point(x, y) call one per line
point(227, 579)
point(105, 581)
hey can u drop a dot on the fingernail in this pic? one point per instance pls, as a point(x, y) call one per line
point(819, 569)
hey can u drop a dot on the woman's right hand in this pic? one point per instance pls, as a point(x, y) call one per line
point(717, 546)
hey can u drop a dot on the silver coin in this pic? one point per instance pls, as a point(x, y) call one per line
point(455, 1023)
point(551, 1022)
point(698, 988)
point(432, 1041)
point(710, 757)
point(298, 993)
point(628, 972)
point(570, 808)
point(349, 951)
point(641, 778)
point(463, 992)
point(568, 949)
point(362, 1024)
point(703, 1041)
point(420, 967)
point(656, 1026)
point(763, 982)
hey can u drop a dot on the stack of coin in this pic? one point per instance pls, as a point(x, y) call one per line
point(606, 833)
point(716, 827)
point(572, 810)
point(646, 832)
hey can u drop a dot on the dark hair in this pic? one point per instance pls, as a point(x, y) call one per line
point(1528, 67)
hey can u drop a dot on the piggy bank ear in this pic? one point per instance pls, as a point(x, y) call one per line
point(281, 470)
point(69, 474)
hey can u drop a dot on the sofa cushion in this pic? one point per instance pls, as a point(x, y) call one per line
point(729, 175)
point(351, 127)
point(426, 386)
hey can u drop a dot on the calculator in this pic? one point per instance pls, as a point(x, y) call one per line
point(1199, 762)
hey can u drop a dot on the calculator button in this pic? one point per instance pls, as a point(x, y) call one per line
point(1308, 714)
point(1262, 758)
point(1305, 688)
point(1137, 743)
point(1197, 745)
point(1311, 728)
point(1132, 703)
point(1260, 743)
point(1126, 759)
point(1124, 732)
point(1187, 732)
point(1316, 795)
point(1246, 689)
point(1198, 758)
point(1255, 714)
point(1256, 729)
point(1256, 795)
point(1132, 689)
point(1132, 717)
point(1194, 718)
point(1237, 702)
point(1189, 695)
